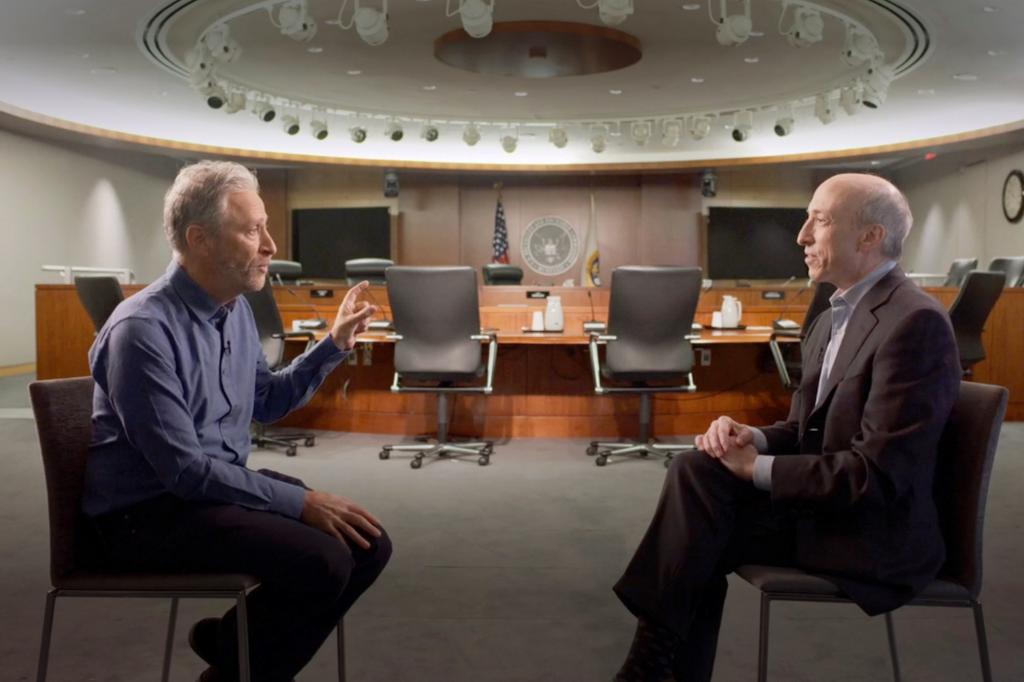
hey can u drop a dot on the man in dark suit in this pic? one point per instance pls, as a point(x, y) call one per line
point(843, 486)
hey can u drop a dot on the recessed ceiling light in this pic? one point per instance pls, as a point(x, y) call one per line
point(965, 76)
point(751, 60)
point(316, 49)
point(354, 72)
point(875, 162)
point(521, 93)
point(84, 55)
point(103, 70)
point(757, 34)
point(996, 53)
point(990, 9)
point(690, 6)
point(615, 91)
point(430, 87)
point(926, 91)
point(75, 12)
point(697, 79)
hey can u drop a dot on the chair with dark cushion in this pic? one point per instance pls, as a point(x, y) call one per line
point(647, 348)
point(371, 270)
point(502, 273)
point(99, 297)
point(63, 412)
point(437, 349)
point(281, 271)
point(1012, 268)
point(969, 312)
point(786, 353)
point(958, 270)
point(966, 452)
point(273, 338)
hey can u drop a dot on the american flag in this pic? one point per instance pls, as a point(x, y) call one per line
point(500, 240)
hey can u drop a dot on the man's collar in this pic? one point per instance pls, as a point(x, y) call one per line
point(854, 294)
point(195, 297)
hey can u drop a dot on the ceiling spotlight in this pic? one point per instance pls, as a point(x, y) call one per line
point(860, 46)
point(743, 123)
point(264, 111)
point(558, 137)
point(221, 45)
point(212, 92)
point(598, 139)
point(509, 142)
point(290, 124)
point(671, 131)
point(477, 17)
point(318, 129)
point(640, 131)
point(200, 63)
point(371, 24)
point(876, 86)
point(394, 131)
point(784, 121)
point(471, 135)
point(850, 98)
point(613, 12)
point(295, 21)
point(700, 126)
point(734, 29)
point(358, 134)
point(824, 108)
point(235, 102)
point(807, 28)
point(430, 133)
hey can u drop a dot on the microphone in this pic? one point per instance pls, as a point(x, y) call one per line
point(592, 325)
point(781, 325)
point(318, 323)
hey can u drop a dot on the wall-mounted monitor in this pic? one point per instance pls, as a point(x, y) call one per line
point(755, 243)
point(324, 238)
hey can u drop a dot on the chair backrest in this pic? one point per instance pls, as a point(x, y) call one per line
point(99, 296)
point(651, 314)
point(370, 269)
point(1013, 268)
point(63, 411)
point(502, 273)
point(435, 310)
point(978, 295)
point(958, 270)
point(268, 323)
point(822, 293)
point(966, 452)
point(284, 270)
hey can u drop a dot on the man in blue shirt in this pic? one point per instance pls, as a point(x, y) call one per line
point(179, 375)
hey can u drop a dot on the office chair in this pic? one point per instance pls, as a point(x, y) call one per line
point(970, 310)
point(437, 346)
point(966, 453)
point(281, 271)
point(99, 297)
point(370, 269)
point(1013, 268)
point(647, 346)
point(63, 412)
point(272, 338)
point(502, 273)
point(789, 365)
point(958, 270)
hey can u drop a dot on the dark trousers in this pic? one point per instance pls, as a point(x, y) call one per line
point(308, 579)
point(706, 523)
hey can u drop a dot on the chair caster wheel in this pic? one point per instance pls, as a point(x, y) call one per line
point(484, 460)
point(488, 451)
point(416, 462)
point(310, 442)
point(383, 454)
point(291, 451)
point(601, 460)
point(591, 450)
point(644, 454)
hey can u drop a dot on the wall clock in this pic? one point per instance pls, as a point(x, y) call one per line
point(1013, 196)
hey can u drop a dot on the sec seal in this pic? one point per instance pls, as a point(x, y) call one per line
point(550, 246)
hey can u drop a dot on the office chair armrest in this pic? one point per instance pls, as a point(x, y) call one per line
point(309, 336)
point(393, 337)
point(603, 338)
point(786, 334)
point(491, 336)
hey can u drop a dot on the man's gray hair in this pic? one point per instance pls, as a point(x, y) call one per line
point(199, 197)
point(886, 205)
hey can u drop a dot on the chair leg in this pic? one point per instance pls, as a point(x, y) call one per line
point(894, 657)
point(44, 645)
point(762, 644)
point(243, 638)
point(979, 626)
point(172, 620)
point(341, 650)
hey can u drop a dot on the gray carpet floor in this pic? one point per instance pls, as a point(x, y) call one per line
point(499, 573)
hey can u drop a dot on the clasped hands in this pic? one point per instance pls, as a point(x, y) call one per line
point(732, 444)
point(353, 317)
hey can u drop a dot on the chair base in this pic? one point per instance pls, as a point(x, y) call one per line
point(482, 450)
point(288, 441)
point(601, 451)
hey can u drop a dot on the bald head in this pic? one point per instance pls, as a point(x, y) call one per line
point(875, 201)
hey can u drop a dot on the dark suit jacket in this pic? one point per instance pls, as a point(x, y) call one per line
point(858, 469)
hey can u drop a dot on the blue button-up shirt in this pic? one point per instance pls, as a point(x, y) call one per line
point(178, 381)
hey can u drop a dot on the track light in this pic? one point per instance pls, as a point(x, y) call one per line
point(700, 126)
point(598, 139)
point(784, 121)
point(477, 17)
point(640, 131)
point(807, 28)
point(394, 131)
point(295, 21)
point(743, 123)
point(430, 133)
point(212, 92)
point(860, 46)
point(671, 132)
point(235, 102)
point(290, 124)
point(200, 63)
point(221, 45)
point(509, 143)
point(264, 111)
point(471, 135)
point(850, 99)
point(558, 137)
point(319, 130)
point(876, 86)
point(614, 12)
point(824, 108)
point(734, 29)
point(358, 134)
point(372, 24)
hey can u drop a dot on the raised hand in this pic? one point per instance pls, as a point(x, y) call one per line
point(353, 317)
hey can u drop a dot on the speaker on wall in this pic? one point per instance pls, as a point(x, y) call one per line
point(390, 184)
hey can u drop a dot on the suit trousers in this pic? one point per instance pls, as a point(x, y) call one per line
point(707, 522)
point(308, 579)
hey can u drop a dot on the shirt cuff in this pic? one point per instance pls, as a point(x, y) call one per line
point(763, 472)
point(760, 440)
point(288, 499)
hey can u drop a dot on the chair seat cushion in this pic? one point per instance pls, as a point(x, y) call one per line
point(652, 378)
point(144, 582)
point(793, 581)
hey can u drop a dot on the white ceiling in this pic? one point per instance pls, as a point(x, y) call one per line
point(91, 62)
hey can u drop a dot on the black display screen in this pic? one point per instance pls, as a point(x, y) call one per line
point(324, 238)
point(755, 243)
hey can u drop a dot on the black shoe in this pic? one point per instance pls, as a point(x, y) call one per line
point(203, 640)
point(650, 656)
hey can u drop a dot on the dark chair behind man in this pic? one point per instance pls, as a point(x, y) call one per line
point(502, 273)
point(371, 270)
point(1012, 268)
point(99, 297)
point(958, 270)
point(969, 312)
